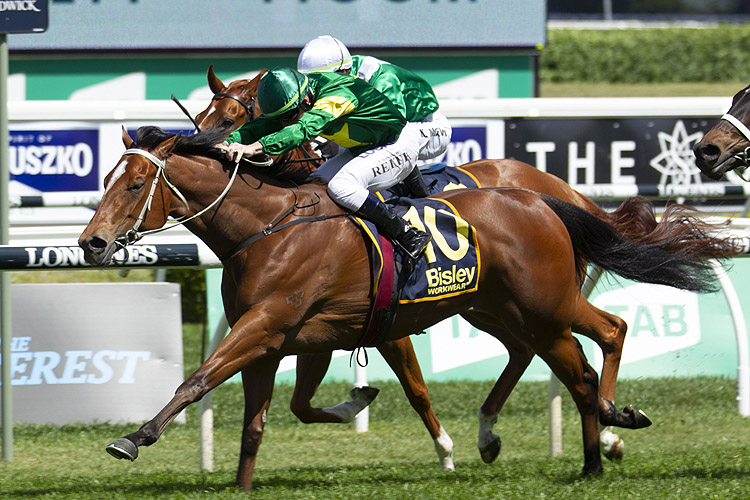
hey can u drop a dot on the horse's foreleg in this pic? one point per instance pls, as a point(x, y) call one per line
point(246, 341)
point(257, 382)
point(400, 356)
point(190, 391)
point(311, 368)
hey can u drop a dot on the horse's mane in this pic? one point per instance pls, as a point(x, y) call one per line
point(202, 144)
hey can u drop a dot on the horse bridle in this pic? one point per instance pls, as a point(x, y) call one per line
point(133, 235)
point(249, 108)
point(743, 156)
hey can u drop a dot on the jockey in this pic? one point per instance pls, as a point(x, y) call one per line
point(410, 93)
point(378, 150)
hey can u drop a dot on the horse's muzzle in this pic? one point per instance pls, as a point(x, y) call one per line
point(96, 251)
point(708, 160)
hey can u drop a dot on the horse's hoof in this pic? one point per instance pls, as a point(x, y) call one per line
point(366, 394)
point(490, 452)
point(592, 471)
point(123, 448)
point(639, 417)
point(612, 446)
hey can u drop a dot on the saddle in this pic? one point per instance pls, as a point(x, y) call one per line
point(450, 265)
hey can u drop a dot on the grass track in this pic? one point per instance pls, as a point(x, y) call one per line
point(698, 448)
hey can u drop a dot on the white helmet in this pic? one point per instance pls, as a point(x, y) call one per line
point(324, 53)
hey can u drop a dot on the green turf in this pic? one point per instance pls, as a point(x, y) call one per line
point(697, 448)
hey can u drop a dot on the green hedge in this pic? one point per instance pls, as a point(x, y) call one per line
point(646, 55)
point(193, 292)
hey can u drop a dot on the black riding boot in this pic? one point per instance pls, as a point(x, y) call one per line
point(415, 182)
point(410, 239)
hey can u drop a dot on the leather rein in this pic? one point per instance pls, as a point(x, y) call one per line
point(133, 235)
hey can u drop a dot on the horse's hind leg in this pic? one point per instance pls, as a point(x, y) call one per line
point(400, 356)
point(608, 331)
point(311, 368)
point(488, 442)
point(567, 362)
point(257, 383)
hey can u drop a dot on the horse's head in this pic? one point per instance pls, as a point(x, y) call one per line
point(725, 146)
point(231, 106)
point(234, 104)
point(133, 199)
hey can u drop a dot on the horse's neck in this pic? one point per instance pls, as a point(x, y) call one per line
point(252, 203)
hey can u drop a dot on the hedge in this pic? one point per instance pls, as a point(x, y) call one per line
point(653, 55)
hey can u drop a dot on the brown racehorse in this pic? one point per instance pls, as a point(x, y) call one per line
point(676, 232)
point(534, 248)
point(725, 147)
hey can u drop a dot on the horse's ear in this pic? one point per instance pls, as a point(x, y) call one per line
point(166, 147)
point(214, 83)
point(126, 139)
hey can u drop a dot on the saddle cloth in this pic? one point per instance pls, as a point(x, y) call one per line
point(449, 266)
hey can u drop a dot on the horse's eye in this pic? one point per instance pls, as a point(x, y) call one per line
point(227, 123)
point(136, 187)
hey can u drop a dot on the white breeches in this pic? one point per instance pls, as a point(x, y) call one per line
point(435, 134)
point(351, 179)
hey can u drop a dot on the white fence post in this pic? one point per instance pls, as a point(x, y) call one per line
point(206, 407)
point(362, 420)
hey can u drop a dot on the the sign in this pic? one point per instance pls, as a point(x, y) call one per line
point(467, 144)
point(23, 16)
point(100, 352)
point(71, 257)
point(602, 154)
point(55, 160)
point(198, 24)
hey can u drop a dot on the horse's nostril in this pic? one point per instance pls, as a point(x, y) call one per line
point(707, 151)
point(97, 243)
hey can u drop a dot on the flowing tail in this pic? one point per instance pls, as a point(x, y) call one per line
point(679, 231)
point(663, 261)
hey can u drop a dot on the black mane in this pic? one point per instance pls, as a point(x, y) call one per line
point(202, 144)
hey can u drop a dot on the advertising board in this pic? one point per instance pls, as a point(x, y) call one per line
point(277, 24)
point(604, 155)
point(100, 352)
point(27, 16)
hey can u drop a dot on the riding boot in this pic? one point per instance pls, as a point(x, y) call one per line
point(415, 182)
point(410, 239)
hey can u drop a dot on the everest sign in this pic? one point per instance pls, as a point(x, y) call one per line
point(23, 16)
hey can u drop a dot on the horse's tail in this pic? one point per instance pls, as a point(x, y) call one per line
point(598, 242)
point(678, 231)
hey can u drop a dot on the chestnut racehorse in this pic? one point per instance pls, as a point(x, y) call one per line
point(534, 248)
point(676, 232)
point(725, 147)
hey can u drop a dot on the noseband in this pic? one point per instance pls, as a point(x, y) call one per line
point(744, 156)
